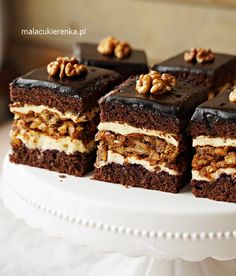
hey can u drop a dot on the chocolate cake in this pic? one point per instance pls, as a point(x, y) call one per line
point(135, 63)
point(214, 74)
point(142, 137)
point(56, 117)
point(213, 127)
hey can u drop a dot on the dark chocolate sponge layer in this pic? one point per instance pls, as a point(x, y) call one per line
point(223, 189)
point(137, 176)
point(215, 118)
point(215, 74)
point(67, 94)
point(77, 164)
point(168, 112)
point(135, 64)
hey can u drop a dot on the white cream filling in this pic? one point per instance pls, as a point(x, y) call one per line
point(113, 157)
point(76, 118)
point(35, 140)
point(214, 142)
point(213, 176)
point(125, 129)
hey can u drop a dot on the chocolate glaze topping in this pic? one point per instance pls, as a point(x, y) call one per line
point(80, 87)
point(177, 63)
point(136, 63)
point(216, 109)
point(180, 101)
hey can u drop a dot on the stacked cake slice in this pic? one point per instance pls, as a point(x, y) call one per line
point(56, 115)
point(213, 128)
point(114, 55)
point(142, 136)
point(201, 67)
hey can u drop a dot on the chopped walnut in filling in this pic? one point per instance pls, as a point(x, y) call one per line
point(208, 159)
point(148, 148)
point(52, 125)
point(232, 95)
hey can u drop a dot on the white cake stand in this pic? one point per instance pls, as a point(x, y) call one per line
point(177, 233)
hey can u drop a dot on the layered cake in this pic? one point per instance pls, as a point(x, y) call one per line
point(56, 115)
point(213, 128)
point(201, 67)
point(142, 134)
point(112, 54)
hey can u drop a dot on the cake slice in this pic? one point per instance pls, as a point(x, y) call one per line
point(132, 64)
point(212, 70)
point(213, 127)
point(142, 135)
point(56, 115)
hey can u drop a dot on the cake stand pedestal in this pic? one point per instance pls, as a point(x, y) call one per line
point(176, 234)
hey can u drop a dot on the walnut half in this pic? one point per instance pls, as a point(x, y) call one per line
point(122, 49)
point(199, 55)
point(110, 46)
point(155, 83)
point(65, 66)
point(107, 45)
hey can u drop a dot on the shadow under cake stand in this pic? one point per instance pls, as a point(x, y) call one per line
point(179, 233)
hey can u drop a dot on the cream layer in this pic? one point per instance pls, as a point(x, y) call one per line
point(76, 118)
point(36, 140)
point(125, 129)
point(113, 157)
point(214, 142)
point(213, 176)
